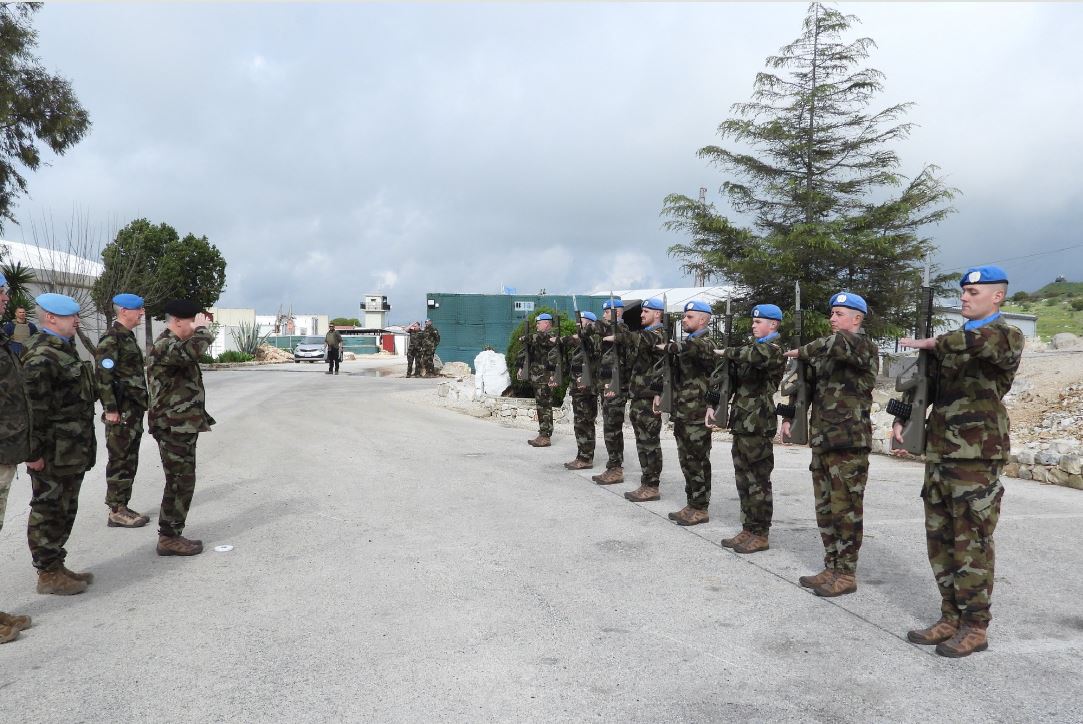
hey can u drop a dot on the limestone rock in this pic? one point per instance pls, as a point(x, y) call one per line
point(1065, 340)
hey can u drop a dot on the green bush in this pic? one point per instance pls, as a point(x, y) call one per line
point(524, 389)
point(1020, 297)
point(234, 356)
point(1077, 305)
point(1052, 302)
point(206, 359)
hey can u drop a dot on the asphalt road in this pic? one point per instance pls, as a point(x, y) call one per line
point(396, 561)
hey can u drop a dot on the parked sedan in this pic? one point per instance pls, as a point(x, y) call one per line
point(310, 349)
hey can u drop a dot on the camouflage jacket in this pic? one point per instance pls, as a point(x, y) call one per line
point(581, 354)
point(614, 354)
point(542, 357)
point(645, 373)
point(177, 397)
point(695, 362)
point(975, 370)
point(432, 338)
point(119, 363)
point(843, 367)
point(413, 344)
point(62, 394)
point(14, 407)
point(757, 368)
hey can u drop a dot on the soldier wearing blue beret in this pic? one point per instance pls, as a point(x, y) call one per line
point(538, 346)
point(583, 356)
point(614, 366)
point(966, 448)
point(645, 382)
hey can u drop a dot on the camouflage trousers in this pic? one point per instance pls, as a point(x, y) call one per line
point(429, 363)
point(694, 454)
point(543, 398)
point(7, 474)
point(122, 443)
point(753, 463)
point(648, 430)
point(962, 507)
point(178, 451)
point(412, 365)
point(53, 507)
point(613, 429)
point(585, 415)
point(838, 483)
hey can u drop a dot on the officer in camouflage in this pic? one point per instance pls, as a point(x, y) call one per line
point(844, 365)
point(413, 345)
point(752, 422)
point(696, 360)
point(966, 447)
point(122, 388)
point(432, 341)
point(14, 440)
point(177, 415)
point(541, 344)
point(582, 353)
point(615, 336)
point(62, 393)
point(644, 384)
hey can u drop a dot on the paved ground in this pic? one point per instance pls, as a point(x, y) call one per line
point(398, 562)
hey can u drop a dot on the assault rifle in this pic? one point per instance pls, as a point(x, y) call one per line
point(525, 339)
point(586, 377)
point(558, 368)
point(800, 389)
point(614, 384)
point(669, 368)
point(921, 381)
point(727, 384)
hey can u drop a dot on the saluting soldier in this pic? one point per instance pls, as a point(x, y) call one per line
point(695, 360)
point(752, 422)
point(540, 345)
point(122, 388)
point(966, 447)
point(178, 414)
point(614, 333)
point(644, 384)
point(62, 393)
point(583, 354)
point(844, 366)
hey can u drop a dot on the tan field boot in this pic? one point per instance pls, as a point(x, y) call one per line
point(609, 477)
point(819, 579)
point(969, 639)
point(86, 576)
point(56, 582)
point(540, 441)
point(16, 621)
point(178, 546)
point(753, 544)
point(939, 632)
point(121, 516)
point(693, 516)
point(579, 464)
point(735, 540)
point(839, 585)
point(8, 633)
point(643, 494)
point(680, 513)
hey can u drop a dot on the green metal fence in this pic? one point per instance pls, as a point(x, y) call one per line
point(352, 343)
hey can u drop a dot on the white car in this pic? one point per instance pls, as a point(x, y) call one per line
point(310, 349)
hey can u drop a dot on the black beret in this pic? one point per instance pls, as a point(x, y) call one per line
point(181, 308)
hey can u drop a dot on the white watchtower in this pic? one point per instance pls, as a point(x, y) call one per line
point(375, 307)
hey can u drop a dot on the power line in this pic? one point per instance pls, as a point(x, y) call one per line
point(1037, 253)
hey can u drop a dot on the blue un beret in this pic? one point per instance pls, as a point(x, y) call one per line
point(619, 304)
point(697, 306)
point(984, 275)
point(654, 303)
point(767, 311)
point(589, 315)
point(545, 318)
point(851, 301)
point(58, 304)
point(128, 301)
point(3, 280)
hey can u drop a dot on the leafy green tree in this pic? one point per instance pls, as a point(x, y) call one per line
point(35, 105)
point(191, 268)
point(346, 322)
point(19, 279)
point(814, 170)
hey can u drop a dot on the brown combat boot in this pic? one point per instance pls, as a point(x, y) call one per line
point(679, 513)
point(819, 579)
point(86, 576)
point(540, 441)
point(15, 621)
point(612, 476)
point(644, 494)
point(579, 464)
point(735, 540)
point(840, 584)
point(939, 632)
point(121, 516)
point(8, 633)
point(57, 583)
point(970, 638)
point(692, 516)
point(178, 545)
point(753, 544)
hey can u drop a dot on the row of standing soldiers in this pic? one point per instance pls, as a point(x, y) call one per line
point(966, 444)
point(421, 349)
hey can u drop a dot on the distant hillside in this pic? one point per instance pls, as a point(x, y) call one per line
point(1058, 306)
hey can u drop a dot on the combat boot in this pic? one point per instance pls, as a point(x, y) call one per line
point(612, 476)
point(679, 513)
point(840, 584)
point(16, 621)
point(644, 494)
point(121, 516)
point(540, 441)
point(8, 633)
point(57, 583)
point(939, 632)
point(753, 544)
point(86, 576)
point(970, 638)
point(178, 545)
point(579, 464)
point(692, 516)
point(818, 580)
point(735, 540)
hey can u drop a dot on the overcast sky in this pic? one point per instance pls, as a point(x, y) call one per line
point(330, 150)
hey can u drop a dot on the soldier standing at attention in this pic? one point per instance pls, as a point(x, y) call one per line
point(62, 445)
point(177, 415)
point(696, 360)
point(539, 344)
point(752, 422)
point(122, 388)
point(413, 345)
point(584, 397)
point(645, 382)
point(14, 441)
point(19, 330)
point(432, 341)
point(333, 340)
point(614, 354)
point(844, 365)
point(966, 447)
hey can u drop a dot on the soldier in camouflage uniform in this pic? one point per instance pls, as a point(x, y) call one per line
point(966, 447)
point(582, 354)
point(432, 341)
point(14, 441)
point(122, 388)
point(413, 345)
point(757, 368)
point(540, 345)
point(844, 365)
point(695, 359)
point(62, 445)
point(644, 384)
point(614, 334)
point(177, 415)
point(333, 340)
